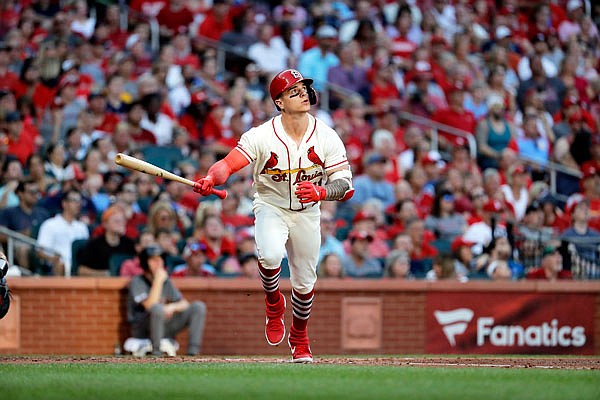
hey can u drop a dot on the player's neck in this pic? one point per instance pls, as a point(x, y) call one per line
point(295, 124)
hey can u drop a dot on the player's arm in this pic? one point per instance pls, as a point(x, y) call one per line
point(339, 187)
point(220, 171)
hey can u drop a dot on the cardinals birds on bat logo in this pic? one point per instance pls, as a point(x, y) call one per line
point(271, 162)
point(314, 157)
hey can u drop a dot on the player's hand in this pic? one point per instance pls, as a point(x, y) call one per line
point(204, 185)
point(308, 192)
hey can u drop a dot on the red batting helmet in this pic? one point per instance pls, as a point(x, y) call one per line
point(288, 78)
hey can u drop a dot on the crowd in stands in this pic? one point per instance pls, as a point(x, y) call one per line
point(519, 79)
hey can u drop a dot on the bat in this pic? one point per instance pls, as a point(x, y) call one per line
point(151, 169)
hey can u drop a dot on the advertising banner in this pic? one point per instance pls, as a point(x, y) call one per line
point(509, 323)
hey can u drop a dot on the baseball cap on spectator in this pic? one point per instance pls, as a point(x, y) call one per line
point(460, 143)
point(326, 32)
point(362, 215)
point(199, 97)
point(66, 81)
point(131, 41)
point(360, 235)
point(147, 253)
point(574, 5)
point(539, 37)
point(375, 158)
point(193, 248)
point(534, 206)
point(433, 158)
point(68, 65)
point(570, 101)
point(244, 234)
point(492, 206)
point(439, 40)
point(502, 32)
point(517, 169)
point(577, 116)
point(549, 249)
point(459, 242)
point(589, 169)
point(12, 116)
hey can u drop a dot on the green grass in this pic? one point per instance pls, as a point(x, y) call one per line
point(188, 380)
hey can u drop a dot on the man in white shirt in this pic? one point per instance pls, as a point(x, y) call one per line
point(59, 232)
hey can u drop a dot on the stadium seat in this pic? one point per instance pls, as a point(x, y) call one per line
point(116, 260)
point(165, 157)
point(76, 246)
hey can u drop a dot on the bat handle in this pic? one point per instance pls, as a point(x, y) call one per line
point(222, 194)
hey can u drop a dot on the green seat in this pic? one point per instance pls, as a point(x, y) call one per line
point(116, 260)
point(165, 157)
point(76, 246)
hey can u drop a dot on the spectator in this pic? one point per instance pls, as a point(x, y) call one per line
point(551, 266)
point(25, 218)
point(59, 232)
point(248, 265)
point(211, 232)
point(132, 267)
point(584, 238)
point(359, 263)
point(372, 183)
point(331, 266)
point(195, 264)
point(498, 262)
point(12, 172)
point(269, 52)
point(174, 18)
point(95, 256)
point(443, 269)
point(454, 115)
point(21, 138)
point(552, 89)
point(532, 235)
point(515, 190)
point(444, 220)
point(329, 242)
point(349, 74)
point(35, 171)
point(531, 144)
point(315, 62)
point(463, 257)
point(397, 265)
point(156, 309)
point(494, 133)
point(423, 252)
point(218, 20)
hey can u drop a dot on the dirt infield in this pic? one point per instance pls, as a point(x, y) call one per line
point(574, 363)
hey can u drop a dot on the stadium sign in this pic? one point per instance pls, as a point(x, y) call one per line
point(509, 323)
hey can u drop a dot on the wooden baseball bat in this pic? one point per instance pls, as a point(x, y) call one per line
point(143, 166)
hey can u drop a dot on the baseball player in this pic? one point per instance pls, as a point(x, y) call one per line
point(298, 162)
point(4, 292)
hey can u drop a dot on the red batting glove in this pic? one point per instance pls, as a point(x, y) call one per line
point(308, 192)
point(204, 185)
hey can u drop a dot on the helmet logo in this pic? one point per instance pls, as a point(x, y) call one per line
point(296, 74)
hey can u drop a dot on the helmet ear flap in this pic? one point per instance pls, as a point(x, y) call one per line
point(312, 95)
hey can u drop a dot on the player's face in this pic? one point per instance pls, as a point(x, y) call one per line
point(296, 98)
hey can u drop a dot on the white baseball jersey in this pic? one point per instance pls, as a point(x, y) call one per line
point(280, 164)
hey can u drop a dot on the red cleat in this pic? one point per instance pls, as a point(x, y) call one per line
point(275, 325)
point(300, 349)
